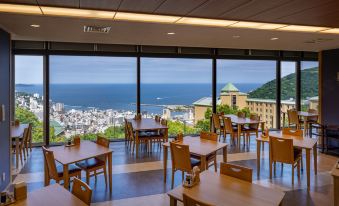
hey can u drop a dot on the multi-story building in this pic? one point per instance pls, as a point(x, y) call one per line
point(230, 95)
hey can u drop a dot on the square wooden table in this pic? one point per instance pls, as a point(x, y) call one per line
point(218, 189)
point(86, 150)
point(199, 147)
point(17, 132)
point(305, 116)
point(243, 121)
point(304, 142)
point(52, 195)
point(146, 124)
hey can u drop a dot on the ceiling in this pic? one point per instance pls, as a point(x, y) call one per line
point(303, 12)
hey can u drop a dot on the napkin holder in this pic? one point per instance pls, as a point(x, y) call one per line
point(20, 191)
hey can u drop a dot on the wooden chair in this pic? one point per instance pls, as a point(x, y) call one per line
point(157, 118)
point(281, 150)
point(240, 172)
point(137, 116)
point(217, 125)
point(297, 133)
point(231, 130)
point(252, 128)
point(180, 137)
point(181, 159)
point(82, 191)
point(56, 172)
point(190, 201)
point(22, 143)
point(241, 114)
point(293, 119)
point(97, 165)
point(142, 137)
point(29, 138)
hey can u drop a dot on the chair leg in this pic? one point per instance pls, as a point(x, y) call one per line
point(274, 165)
point(298, 168)
point(21, 157)
point(172, 183)
point(301, 162)
point(215, 164)
point(95, 176)
point(87, 177)
point(182, 175)
point(105, 174)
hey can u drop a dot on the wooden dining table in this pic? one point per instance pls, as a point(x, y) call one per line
point(199, 147)
point(52, 195)
point(17, 132)
point(146, 124)
point(244, 121)
point(304, 142)
point(85, 150)
point(223, 190)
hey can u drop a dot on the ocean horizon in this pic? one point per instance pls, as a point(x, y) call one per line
point(123, 96)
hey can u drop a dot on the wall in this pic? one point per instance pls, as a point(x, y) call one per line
point(329, 86)
point(5, 99)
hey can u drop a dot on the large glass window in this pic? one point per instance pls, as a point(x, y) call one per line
point(178, 90)
point(249, 86)
point(29, 93)
point(287, 89)
point(309, 85)
point(91, 95)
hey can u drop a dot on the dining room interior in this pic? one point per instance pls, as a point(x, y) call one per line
point(168, 102)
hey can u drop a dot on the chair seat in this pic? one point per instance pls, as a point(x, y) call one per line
point(72, 168)
point(195, 162)
point(90, 163)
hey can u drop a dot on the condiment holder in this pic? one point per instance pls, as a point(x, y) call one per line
point(192, 179)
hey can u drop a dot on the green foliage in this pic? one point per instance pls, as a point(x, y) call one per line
point(203, 125)
point(226, 109)
point(309, 86)
point(26, 117)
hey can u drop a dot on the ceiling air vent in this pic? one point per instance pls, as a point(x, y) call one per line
point(97, 29)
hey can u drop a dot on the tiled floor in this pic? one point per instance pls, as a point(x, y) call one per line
point(140, 181)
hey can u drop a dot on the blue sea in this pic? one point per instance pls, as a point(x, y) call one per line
point(123, 96)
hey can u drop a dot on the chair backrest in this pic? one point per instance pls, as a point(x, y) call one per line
point(25, 137)
point(190, 201)
point(30, 130)
point(50, 163)
point(157, 118)
point(313, 111)
point(82, 191)
point(292, 115)
point(209, 136)
point(228, 125)
point(255, 117)
point(216, 121)
point(293, 132)
point(241, 114)
point(76, 140)
point(180, 137)
point(240, 172)
point(103, 141)
point(163, 122)
point(137, 117)
point(181, 158)
point(130, 132)
point(281, 150)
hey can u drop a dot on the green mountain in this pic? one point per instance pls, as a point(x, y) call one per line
point(309, 86)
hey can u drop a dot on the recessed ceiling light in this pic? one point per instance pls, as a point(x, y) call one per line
point(274, 38)
point(236, 36)
point(35, 25)
point(171, 33)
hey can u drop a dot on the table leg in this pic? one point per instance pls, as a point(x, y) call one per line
point(336, 190)
point(17, 152)
point(308, 168)
point(258, 157)
point(173, 202)
point(165, 162)
point(224, 152)
point(110, 171)
point(305, 125)
point(270, 160)
point(66, 176)
point(262, 127)
point(239, 133)
point(315, 154)
point(203, 163)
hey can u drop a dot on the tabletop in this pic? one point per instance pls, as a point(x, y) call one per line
point(239, 120)
point(18, 131)
point(52, 195)
point(225, 190)
point(146, 124)
point(86, 150)
point(307, 114)
point(301, 142)
point(200, 146)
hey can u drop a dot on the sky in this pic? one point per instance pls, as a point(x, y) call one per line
point(82, 69)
